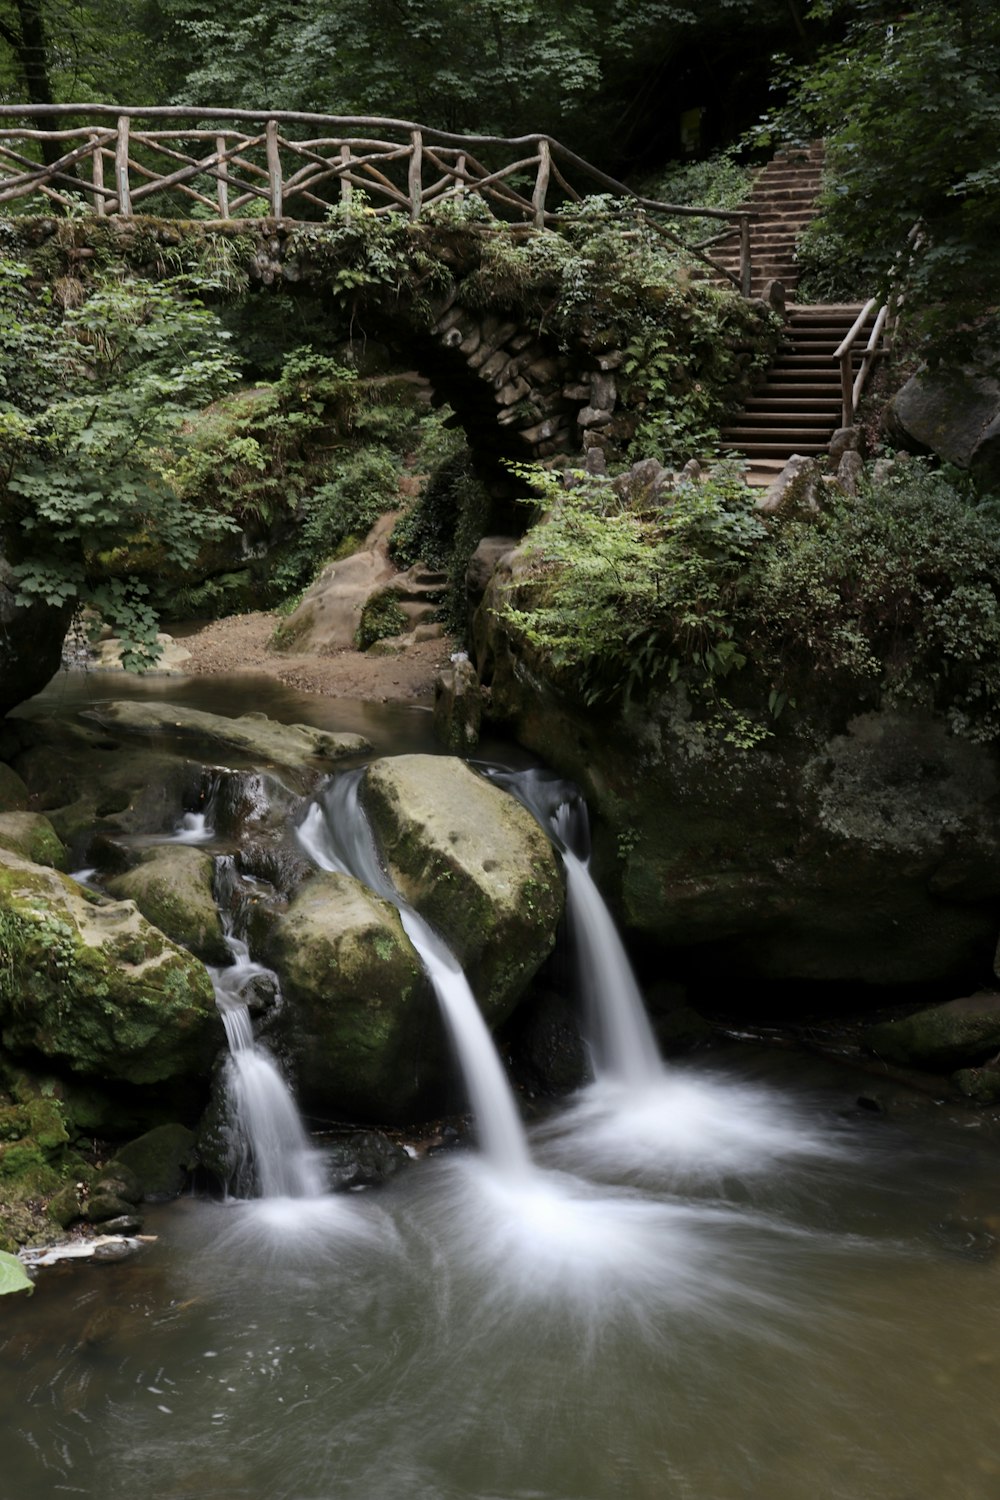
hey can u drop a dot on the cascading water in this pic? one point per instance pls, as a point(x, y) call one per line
point(272, 1156)
point(624, 1047)
point(336, 834)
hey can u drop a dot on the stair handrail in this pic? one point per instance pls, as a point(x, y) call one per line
point(852, 384)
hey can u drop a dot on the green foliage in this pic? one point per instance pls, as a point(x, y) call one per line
point(620, 597)
point(13, 1277)
point(718, 181)
point(89, 400)
point(609, 280)
point(443, 529)
point(381, 619)
point(909, 106)
point(892, 596)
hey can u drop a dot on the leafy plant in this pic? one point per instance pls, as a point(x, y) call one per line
point(13, 1277)
point(618, 598)
point(381, 619)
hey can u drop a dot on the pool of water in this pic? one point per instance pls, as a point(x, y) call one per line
point(736, 1284)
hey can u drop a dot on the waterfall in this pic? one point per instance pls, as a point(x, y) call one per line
point(337, 836)
point(624, 1047)
point(271, 1153)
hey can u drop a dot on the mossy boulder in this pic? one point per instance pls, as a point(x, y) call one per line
point(89, 783)
point(941, 1037)
point(32, 836)
point(849, 846)
point(13, 792)
point(262, 739)
point(359, 1019)
point(94, 988)
point(475, 864)
point(172, 887)
point(154, 1168)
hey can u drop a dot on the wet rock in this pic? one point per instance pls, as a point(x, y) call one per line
point(172, 887)
point(255, 735)
point(32, 836)
point(13, 792)
point(160, 1160)
point(111, 997)
point(981, 1085)
point(458, 706)
point(104, 1206)
point(129, 1223)
point(359, 1021)
point(865, 852)
point(547, 1050)
point(474, 863)
point(368, 1158)
point(941, 1037)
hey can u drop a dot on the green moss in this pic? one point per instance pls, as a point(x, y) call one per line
point(381, 618)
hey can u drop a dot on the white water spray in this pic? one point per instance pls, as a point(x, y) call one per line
point(339, 838)
point(624, 1046)
point(271, 1152)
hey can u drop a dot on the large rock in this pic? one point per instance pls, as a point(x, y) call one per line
point(953, 413)
point(330, 610)
point(474, 863)
point(263, 740)
point(92, 987)
point(31, 638)
point(32, 836)
point(942, 1037)
point(172, 887)
point(867, 852)
point(359, 1019)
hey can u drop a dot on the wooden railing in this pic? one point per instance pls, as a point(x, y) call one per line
point(854, 376)
point(228, 164)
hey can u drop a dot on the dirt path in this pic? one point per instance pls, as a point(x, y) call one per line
point(241, 643)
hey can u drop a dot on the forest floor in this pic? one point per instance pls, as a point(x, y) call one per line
point(242, 643)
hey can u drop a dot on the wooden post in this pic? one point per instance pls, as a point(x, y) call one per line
point(416, 183)
point(222, 181)
point(460, 177)
point(97, 176)
point(746, 267)
point(346, 188)
point(541, 182)
point(846, 390)
point(274, 168)
point(121, 168)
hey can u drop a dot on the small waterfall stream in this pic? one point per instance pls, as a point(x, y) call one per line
point(272, 1155)
point(624, 1047)
point(337, 836)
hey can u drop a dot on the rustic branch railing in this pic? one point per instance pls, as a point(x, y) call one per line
point(228, 164)
point(854, 379)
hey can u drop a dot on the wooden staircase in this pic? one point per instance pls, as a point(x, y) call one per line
point(799, 405)
point(783, 199)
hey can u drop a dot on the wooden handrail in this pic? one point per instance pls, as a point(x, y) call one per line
point(226, 178)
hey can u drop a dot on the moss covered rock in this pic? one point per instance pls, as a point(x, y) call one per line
point(172, 887)
point(473, 862)
point(95, 988)
point(13, 792)
point(32, 836)
point(846, 847)
point(360, 1019)
point(942, 1037)
point(155, 1166)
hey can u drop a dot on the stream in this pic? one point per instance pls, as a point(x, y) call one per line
point(706, 1280)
